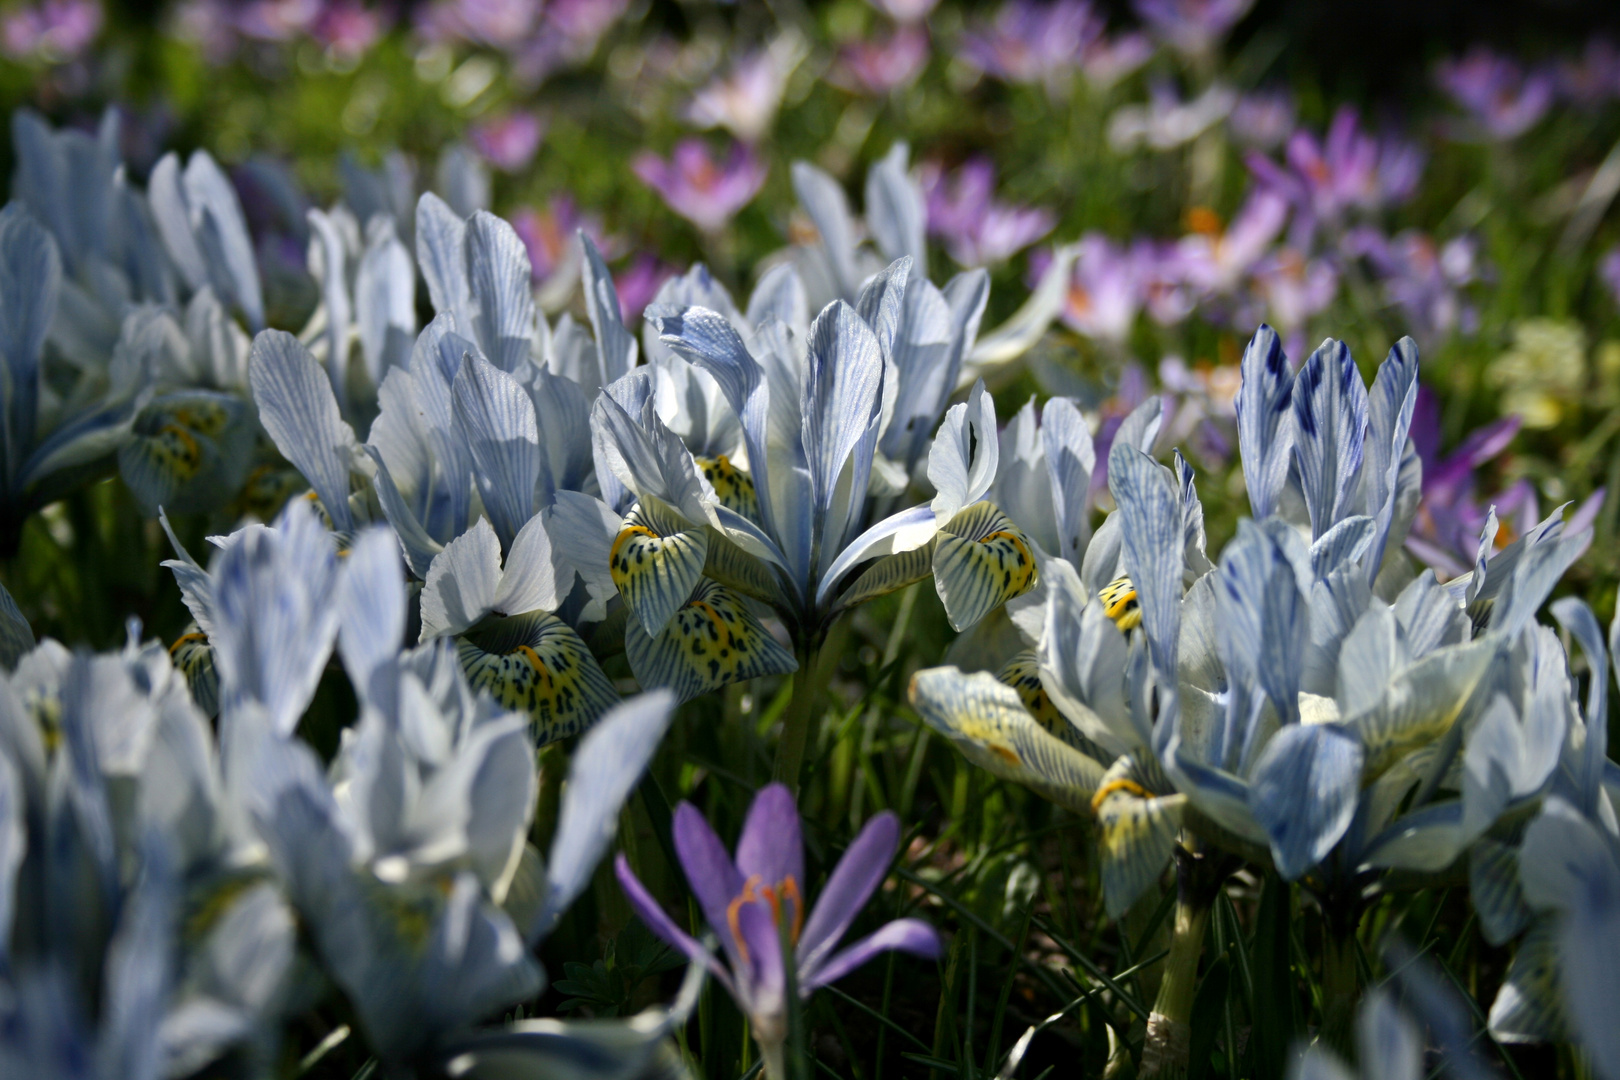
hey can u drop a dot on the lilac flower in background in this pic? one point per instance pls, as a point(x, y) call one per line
point(568, 34)
point(879, 66)
point(1201, 407)
point(1106, 289)
point(1214, 260)
point(1609, 271)
point(207, 24)
point(508, 142)
point(1113, 57)
point(1029, 42)
point(54, 31)
point(638, 283)
point(1594, 78)
point(1445, 533)
point(349, 29)
point(1502, 99)
point(1293, 288)
point(1262, 119)
point(1165, 121)
point(1192, 27)
point(1132, 392)
point(1348, 170)
point(745, 100)
point(277, 20)
point(905, 11)
point(703, 191)
point(550, 235)
point(976, 229)
point(749, 903)
point(1422, 278)
point(499, 24)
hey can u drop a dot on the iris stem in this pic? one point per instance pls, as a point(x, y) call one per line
point(1167, 1048)
point(796, 720)
point(1341, 985)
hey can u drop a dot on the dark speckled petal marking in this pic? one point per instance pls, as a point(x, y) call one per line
point(711, 641)
point(536, 664)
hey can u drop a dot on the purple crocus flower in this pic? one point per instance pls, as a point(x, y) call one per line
point(1609, 271)
point(703, 191)
point(1106, 290)
point(1422, 277)
point(348, 29)
point(1445, 533)
point(744, 101)
point(1503, 99)
point(751, 901)
point(1028, 42)
point(976, 229)
point(1214, 260)
point(277, 20)
point(1293, 287)
point(500, 24)
point(1348, 170)
point(638, 283)
point(55, 31)
point(1262, 119)
point(1192, 27)
point(1594, 79)
point(879, 66)
point(905, 11)
point(551, 235)
point(508, 142)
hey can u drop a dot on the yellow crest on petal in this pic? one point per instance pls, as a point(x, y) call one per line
point(193, 657)
point(657, 560)
point(712, 640)
point(734, 487)
point(1023, 674)
point(981, 561)
point(987, 721)
point(536, 664)
point(1138, 819)
point(1120, 603)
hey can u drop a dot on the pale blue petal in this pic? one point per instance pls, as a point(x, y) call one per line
point(1303, 793)
point(496, 418)
point(300, 413)
point(606, 767)
point(1330, 428)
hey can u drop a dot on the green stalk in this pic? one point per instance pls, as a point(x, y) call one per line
point(1168, 1045)
point(796, 720)
point(1341, 985)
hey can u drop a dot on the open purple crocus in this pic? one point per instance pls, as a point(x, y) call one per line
point(749, 904)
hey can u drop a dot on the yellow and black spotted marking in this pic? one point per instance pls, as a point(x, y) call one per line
point(986, 720)
point(266, 490)
point(536, 664)
point(1120, 603)
point(193, 657)
point(1023, 674)
point(656, 561)
point(1138, 820)
point(712, 640)
point(981, 561)
point(172, 437)
point(734, 487)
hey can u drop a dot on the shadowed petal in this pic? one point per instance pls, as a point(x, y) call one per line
point(903, 935)
point(864, 866)
point(659, 922)
point(770, 845)
point(709, 870)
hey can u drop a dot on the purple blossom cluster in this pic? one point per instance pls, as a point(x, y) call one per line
point(347, 29)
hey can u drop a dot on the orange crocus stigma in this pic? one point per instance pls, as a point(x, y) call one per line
point(752, 892)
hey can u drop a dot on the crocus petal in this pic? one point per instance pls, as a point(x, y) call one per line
point(648, 910)
point(903, 935)
point(864, 866)
point(709, 871)
point(770, 845)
